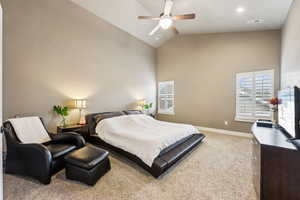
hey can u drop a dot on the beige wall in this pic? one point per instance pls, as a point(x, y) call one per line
point(290, 60)
point(55, 51)
point(204, 68)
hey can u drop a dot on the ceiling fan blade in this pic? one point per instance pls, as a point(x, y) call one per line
point(154, 30)
point(174, 29)
point(183, 17)
point(168, 7)
point(148, 17)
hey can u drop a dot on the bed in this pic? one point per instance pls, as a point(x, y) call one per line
point(173, 151)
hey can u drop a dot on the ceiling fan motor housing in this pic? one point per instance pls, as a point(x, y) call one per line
point(163, 14)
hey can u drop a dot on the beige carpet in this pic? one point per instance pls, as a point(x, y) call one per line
point(219, 170)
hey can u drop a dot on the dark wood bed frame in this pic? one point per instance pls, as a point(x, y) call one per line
point(169, 157)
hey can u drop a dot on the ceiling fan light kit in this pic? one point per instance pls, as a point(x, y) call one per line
point(166, 20)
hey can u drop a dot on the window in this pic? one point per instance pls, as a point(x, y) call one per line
point(253, 92)
point(166, 97)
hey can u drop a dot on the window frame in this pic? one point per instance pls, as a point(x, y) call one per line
point(166, 112)
point(253, 117)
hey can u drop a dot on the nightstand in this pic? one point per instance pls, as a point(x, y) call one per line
point(80, 129)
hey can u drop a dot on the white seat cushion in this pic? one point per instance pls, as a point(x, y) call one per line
point(30, 130)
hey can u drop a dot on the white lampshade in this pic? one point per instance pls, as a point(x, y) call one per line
point(140, 104)
point(80, 103)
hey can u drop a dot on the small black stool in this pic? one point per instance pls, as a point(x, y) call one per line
point(87, 164)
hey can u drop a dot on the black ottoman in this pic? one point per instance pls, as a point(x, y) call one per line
point(87, 164)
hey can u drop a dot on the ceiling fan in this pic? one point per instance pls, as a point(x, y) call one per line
point(166, 18)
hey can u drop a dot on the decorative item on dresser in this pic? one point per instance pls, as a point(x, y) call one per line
point(274, 108)
point(276, 165)
point(264, 123)
point(80, 129)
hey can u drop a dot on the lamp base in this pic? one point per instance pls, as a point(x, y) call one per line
point(82, 119)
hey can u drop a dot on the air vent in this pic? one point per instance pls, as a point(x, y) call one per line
point(255, 21)
point(158, 37)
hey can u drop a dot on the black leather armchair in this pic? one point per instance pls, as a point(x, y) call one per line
point(39, 161)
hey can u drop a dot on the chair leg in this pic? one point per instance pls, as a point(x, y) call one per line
point(46, 181)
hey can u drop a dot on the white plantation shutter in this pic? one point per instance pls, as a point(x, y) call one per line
point(253, 92)
point(264, 91)
point(244, 98)
point(166, 96)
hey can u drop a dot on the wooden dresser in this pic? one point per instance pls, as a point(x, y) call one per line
point(276, 165)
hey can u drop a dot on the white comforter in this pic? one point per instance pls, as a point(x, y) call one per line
point(142, 135)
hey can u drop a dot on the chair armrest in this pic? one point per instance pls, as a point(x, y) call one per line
point(36, 159)
point(37, 152)
point(68, 137)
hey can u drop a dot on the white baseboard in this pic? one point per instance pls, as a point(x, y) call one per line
point(225, 132)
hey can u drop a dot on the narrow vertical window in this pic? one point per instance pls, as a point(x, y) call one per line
point(166, 97)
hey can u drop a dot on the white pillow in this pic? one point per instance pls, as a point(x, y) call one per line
point(30, 130)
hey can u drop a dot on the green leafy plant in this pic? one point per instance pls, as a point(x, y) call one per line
point(148, 106)
point(62, 111)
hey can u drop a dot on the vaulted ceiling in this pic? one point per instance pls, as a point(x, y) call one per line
point(213, 16)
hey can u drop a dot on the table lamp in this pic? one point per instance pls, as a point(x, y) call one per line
point(80, 104)
point(141, 104)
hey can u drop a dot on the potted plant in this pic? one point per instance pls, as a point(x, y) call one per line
point(147, 107)
point(62, 111)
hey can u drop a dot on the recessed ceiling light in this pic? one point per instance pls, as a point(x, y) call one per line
point(240, 9)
